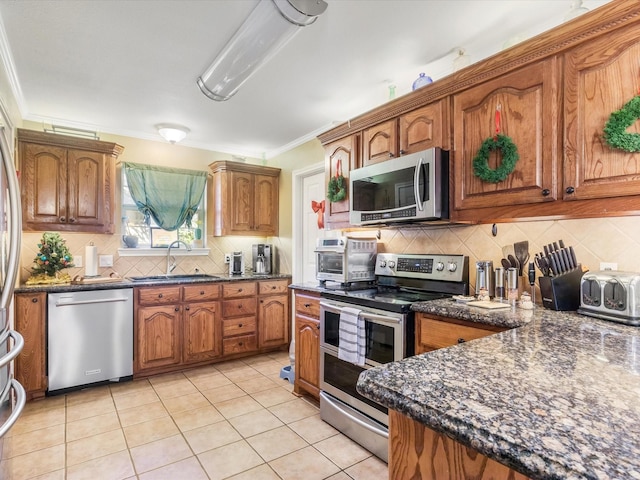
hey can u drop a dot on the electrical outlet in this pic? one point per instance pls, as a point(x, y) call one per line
point(77, 260)
point(608, 266)
point(105, 260)
point(227, 258)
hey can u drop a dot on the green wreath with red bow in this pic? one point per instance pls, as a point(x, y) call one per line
point(506, 147)
point(615, 130)
point(337, 188)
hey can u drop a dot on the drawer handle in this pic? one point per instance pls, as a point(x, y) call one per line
point(187, 308)
point(34, 300)
point(239, 325)
point(239, 306)
point(273, 287)
point(240, 343)
point(461, 340)
point(72, 219)
point(63, 219)
point(307, 305)
point(177, 309)
point(201, 292)
point(239, 290)
point(160, 295)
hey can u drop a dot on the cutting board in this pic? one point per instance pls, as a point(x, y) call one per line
point(488, 305)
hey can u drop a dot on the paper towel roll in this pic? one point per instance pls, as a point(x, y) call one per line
point(91, 261)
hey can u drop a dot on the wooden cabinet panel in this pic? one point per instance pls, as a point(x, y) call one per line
point(529, 100)
point(380, 143)
point(341, 156)
point(600, 78)
point(158, 295)
point(242, 344)
point(239, 289)
point(67, 183)
point(200, 293)
point(202, 332)
point(273, 321)
point(271, 287)
point(30, 321)
point(159, 337)
point(240, 307)
point(433, 332)
point(424, 128)
point(307, 346)
point(308, 305)
point(416, 451)
point(245, 199)
point(238, 326)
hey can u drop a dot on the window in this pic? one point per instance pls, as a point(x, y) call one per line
point(133, 224)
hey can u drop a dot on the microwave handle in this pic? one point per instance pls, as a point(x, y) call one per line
point(416, 184)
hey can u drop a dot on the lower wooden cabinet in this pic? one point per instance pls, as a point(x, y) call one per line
point(307, 332)
point(202, 331)
point(416, 451)
point(30, 322)
point(273, 314)
point(158, 337)
point(433, 332)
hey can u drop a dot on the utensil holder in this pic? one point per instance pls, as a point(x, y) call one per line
point(563, 291)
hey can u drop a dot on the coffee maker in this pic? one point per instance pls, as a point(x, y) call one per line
point(262, 259)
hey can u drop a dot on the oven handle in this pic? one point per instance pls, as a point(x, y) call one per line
point(365, 425)
point(366, 315)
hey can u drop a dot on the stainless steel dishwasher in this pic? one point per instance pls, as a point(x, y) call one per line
point(90, 338)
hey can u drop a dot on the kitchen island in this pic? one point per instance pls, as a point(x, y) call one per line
point(554, 398)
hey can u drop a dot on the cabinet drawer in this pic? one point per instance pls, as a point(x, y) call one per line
point(238, 326)
point(158, 295)
point(434, 334)
point(239, 307)
point(308, 305)
point(246, 343)
point(240, 289)
point(273, 287)
point(197, 293)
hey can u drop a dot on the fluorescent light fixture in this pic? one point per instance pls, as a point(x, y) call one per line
point(265, 31)
point(172, 133)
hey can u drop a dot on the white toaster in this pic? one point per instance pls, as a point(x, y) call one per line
point(611, 295)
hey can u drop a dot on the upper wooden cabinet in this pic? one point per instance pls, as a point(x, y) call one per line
point(412, 132)
point(245, 199)
point(528, 102)
point(67, 183)
point(600, 77)
point(340, 157)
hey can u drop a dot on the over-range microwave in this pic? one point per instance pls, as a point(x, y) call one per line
point(413, 187)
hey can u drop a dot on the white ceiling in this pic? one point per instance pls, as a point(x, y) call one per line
point(123, 66)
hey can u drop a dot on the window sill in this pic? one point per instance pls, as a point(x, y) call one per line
point(162, 252)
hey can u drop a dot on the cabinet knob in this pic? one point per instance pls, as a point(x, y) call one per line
point(391, 155)
point(273, 287)
point(187, 308)
point(402, 152)
point(318, 326)
point(177, 309)
point(160, 295)
point(71, 220)
point(261, 301)
point(546, 192)
point(239, 325)
point(201, 292)
point(461, 340)
point(307, 305)
point(63, 219)
point(239, 290)
point(240, 343)
point(34, 300)
point(570, 190)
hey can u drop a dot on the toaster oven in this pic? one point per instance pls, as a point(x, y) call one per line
point(346, 260)
point(611, 295)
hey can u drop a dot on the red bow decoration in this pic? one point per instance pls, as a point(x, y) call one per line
point(318, 207)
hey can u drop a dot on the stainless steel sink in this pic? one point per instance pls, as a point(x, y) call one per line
point(172, 278)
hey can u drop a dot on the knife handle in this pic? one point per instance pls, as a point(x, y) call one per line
point(572, 254)
point(554, 265)
point(567, 260)
point(560, 262)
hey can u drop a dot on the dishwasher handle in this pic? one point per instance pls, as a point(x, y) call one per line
point(89, 302)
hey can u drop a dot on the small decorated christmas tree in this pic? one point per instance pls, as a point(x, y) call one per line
point(53, 256)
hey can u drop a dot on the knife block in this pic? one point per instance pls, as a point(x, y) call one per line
point(563, 291)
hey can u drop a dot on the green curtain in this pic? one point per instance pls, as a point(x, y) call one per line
point(168, 195)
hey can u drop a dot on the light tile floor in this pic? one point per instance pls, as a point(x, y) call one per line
point(236, 420)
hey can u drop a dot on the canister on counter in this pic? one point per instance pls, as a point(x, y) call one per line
point(512, 285)
point(499, 284)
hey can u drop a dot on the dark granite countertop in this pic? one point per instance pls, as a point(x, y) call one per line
point(557, 398)
point(125, 283)
point(308, 286)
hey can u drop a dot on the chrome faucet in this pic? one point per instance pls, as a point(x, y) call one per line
point(171, 261)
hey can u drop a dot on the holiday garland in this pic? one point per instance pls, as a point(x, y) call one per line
point(615, 133)
point(337, 188)
point(510, 156)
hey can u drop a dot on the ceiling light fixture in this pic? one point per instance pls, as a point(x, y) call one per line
point(265, 31)
point(172, 133)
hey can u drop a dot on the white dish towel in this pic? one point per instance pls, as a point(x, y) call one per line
point(351, 336)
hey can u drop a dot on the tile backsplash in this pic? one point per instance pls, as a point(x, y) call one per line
point(615, 240)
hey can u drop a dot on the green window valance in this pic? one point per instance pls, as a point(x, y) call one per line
point(168, 195)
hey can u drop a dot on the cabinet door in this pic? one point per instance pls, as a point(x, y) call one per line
point(85, 188)
point(265, 217)
point(380, 143)
point(202, 332)
point(600, 78)
point(424, 128)
point(343, 152)
point(30, 319)
point(273, 321)
point(242, 203)
point(159, 337)
point(434, 332)
point(307, 367)
point(528, 99)
point(44, 185)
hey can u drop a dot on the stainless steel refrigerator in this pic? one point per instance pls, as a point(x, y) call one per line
point(12, 394)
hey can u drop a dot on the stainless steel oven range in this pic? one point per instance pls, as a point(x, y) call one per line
point(389, 336)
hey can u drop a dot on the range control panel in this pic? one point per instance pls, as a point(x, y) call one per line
point(450, 268)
